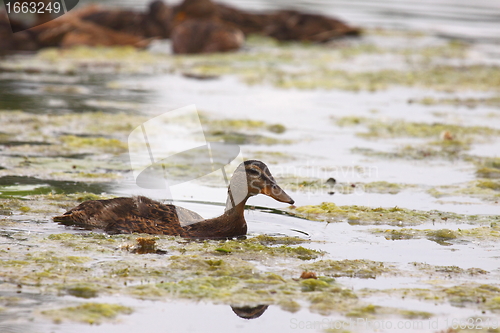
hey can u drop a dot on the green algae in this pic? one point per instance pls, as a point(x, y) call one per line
point(63, 236)
point(106, 144)
point(244, 138)
point(86, 124)
point(398, 234)
point(493, 304)
point(246, 286)
point(400, 128)
point(384, 187)
point(484, 189)
point(428, 151)
point(365, 269)
point(488, 172)
point(467, 102)
point(255, 247)
point(334, 300)
point(24, 209)
point(51, 258)
point(442, 78)
point(314, 66)
point(480, 294)
point(81, 290)
point(448, 141)
point(237, 123)
point(442, 236)
point(90, 313)
point(119, 59)
point(312, 185)
point(277, 128)
point(448, 269)
point(289, 305)
point(215, 257)
point(271, 157)
point(258, 245)
point(77, 156)
point(302, 184)
point(453, 49)
point(240, 124)
point(202, 288)
point(83, 52)
point(82, 243)
point(43, 268)
point(202, 274)
point(329, 212)
point(355, 50)
point(412, 314)
point(364, 312)
point(49, 204)
point(84, 196)
point(8, 204)
point(488, 168)
point(213, 267)
point(490, 232)
point(313, 285)
point(489, 184)
point(273, 240)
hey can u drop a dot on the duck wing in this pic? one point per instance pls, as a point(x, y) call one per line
point(130, 215)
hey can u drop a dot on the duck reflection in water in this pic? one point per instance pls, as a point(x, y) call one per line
point(249, 312)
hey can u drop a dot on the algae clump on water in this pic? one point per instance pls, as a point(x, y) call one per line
point(90, 313)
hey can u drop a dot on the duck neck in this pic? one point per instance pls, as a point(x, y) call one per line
point(230, 224)
point(232, 204)
point(234, 213)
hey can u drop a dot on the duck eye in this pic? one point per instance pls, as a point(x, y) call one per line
point(253, 172)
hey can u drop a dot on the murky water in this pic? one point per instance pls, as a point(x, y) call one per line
point(33, 166)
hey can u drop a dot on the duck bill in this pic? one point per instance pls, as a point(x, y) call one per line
point(277, 193)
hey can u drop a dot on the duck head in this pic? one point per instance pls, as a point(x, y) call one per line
point(251, 178)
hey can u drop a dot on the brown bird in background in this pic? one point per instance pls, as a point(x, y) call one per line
point(198, 29)
point(195, 26)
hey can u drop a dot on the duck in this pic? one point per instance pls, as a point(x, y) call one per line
point(205, 36)
point(198, 29)
point(154, 23)
point(22, 40)
point(248, 22)
point(140, 214)
point(291, 25)
point(71, 30)
point(195, 9)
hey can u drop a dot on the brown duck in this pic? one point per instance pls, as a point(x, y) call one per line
point(144, 215)
point(198, 29)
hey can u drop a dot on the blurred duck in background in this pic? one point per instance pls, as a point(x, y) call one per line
point(21, 41)
point(72, 30)
point(194, 26)
point(290, 25)
point(197, 28)
point(155, 22)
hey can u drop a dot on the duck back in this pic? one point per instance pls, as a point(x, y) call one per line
point(130, 215)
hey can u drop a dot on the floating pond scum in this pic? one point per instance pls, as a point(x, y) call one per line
point(389, 145)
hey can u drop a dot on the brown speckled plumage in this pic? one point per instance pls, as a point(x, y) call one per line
point(143, 215)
